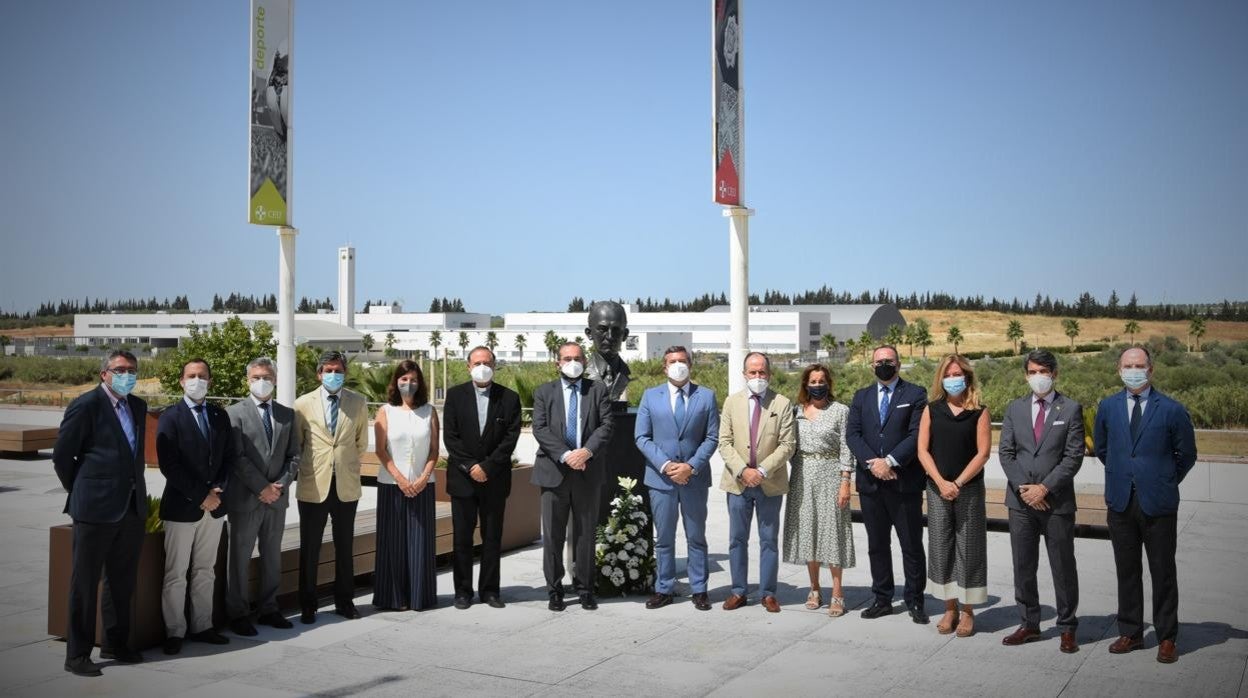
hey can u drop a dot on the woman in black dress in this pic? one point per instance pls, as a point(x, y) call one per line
point(955, 435)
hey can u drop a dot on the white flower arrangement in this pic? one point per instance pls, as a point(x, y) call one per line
point(625, 560)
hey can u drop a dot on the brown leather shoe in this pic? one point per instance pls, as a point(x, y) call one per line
point(1070, 645)
point(1125, 644)
point(734, 602)
point(701, 601)
point(1167, 653)
point(1021, 636)
point(659, 600)
point(770, 603)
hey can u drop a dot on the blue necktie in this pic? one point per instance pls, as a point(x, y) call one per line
point(267, 421)
point(202, 421)
point(884, 407)
point(569, 430)
point(127, 423)
point(680, 409)
point(333, 414)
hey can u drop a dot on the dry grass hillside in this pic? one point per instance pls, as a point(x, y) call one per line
point(985, 331)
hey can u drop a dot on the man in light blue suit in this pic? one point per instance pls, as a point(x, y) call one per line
point(1146, 441)
point(677, 432)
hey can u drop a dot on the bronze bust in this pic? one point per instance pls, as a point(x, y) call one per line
point(607, 330)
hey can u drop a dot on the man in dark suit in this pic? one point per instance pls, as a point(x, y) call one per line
point(196, 447)
point(480, 426)
point(1146, 441)
point(572, 424)
point(98, 458)
point(882, 432)
point(678, 431)
point(268, 458)
point(1041, 449)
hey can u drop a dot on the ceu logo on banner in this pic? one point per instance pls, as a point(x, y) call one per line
point(728, 102)
point(270, 64)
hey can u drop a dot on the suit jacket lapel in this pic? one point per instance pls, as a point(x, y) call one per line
point(1154, 401)
point(114, 422)
point(892, 402)
point(491, 408)
point(1050, 416)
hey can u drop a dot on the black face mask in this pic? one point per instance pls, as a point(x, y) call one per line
point(817, 392)
point(885, 372)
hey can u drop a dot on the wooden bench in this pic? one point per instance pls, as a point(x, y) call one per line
point(1089, 519)
point(25, 438)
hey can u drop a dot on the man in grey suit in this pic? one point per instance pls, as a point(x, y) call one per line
point(1041, 449)
point(269, 450)
point(572, 425)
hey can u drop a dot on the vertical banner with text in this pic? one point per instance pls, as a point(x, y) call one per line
point(269, 187)
point(728, 106)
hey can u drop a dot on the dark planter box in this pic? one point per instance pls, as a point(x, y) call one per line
point(147, 627)
point(522, 519)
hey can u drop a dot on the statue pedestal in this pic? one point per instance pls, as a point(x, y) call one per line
point(624, 460)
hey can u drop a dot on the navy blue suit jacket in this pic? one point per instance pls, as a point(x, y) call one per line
point(659, 440)
point(898, 436)
point(1155, 462)
point(192, 466)
point(94, 461)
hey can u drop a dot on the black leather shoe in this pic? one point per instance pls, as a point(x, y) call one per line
point(556, 603)
point(462, 602)
point(173, 645)
point(209, 636)
point(307, 616)
point(588, 602)
point(918, 615)
point(82, 666)
point(876, 610)
point(701, 601)
point(494, 602)
point(125, 655)
point(243, 627)
point(347, 611)
point(275, 620)
point(659, 600)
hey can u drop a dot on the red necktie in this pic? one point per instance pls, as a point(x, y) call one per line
point(758, 402)
point(1038, 429)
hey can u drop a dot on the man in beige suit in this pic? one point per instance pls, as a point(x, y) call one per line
point(333, 425)
point(757, 434)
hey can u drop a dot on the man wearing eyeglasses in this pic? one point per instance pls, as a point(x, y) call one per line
point(99, 459)
point(882, 432)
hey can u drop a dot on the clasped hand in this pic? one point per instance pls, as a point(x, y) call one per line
point(948, 490)
point(680, 472)
point(271, 493)
point(1033, 496)
point(577, 458)
point(411, 488)
point(212, 501)
point(881, 469)
point(751, 477)
point(476, 472)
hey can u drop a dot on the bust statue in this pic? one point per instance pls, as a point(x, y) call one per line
point(607, 330)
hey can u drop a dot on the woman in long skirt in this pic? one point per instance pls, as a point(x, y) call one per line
point(406, 434)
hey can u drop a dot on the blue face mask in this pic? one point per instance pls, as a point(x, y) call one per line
point(1134, 378)
point(333, 381)
point(123, 383)
point(955, 385)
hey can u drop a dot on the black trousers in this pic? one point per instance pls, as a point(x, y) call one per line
point(578, 498)
point(312, 516)
point(112, 549)
point(487, 505)
point(1026, 527)
point(1158, 535)
point(882, 511)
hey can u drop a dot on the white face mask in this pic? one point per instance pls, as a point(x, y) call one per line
point(572, 369)
point(758, 386)
point(482, 373)
point(1040, 383)
point(195, 388)
point(1134, 378)
point(678, 371)
point(261, 388)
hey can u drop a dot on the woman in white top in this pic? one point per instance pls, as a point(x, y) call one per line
point(407, 446)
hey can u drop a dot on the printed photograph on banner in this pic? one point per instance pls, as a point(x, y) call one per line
point(728, 108)
point(270, 112)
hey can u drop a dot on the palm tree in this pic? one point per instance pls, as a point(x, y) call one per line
point(1196, 328)
point(955, 337)
point(1014, 333)
point(1071, 327)
point(389, 343)
point(828, 343)
point(551, 340)
point(520, 342)
point(923, 335)
point(581, 341)
point(865, 342)
point(895, 335)
point(463, 342)
point(1131, 328)
point(491, 339)
point(366, 342)
point(910, 337)
point(435, 341)
point(851, 348)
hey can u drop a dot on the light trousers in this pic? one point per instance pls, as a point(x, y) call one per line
point(190, 548)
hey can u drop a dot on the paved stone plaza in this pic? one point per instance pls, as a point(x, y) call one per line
point(624, 649)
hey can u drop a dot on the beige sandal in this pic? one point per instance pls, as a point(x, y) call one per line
point(945, 626)
point(814, 600)
point(836, 608)
point(966, 624)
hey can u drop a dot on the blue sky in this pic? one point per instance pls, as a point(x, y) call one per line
point(518, 154)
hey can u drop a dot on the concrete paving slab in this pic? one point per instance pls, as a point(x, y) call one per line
point(232, 688)
point(630, 675)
